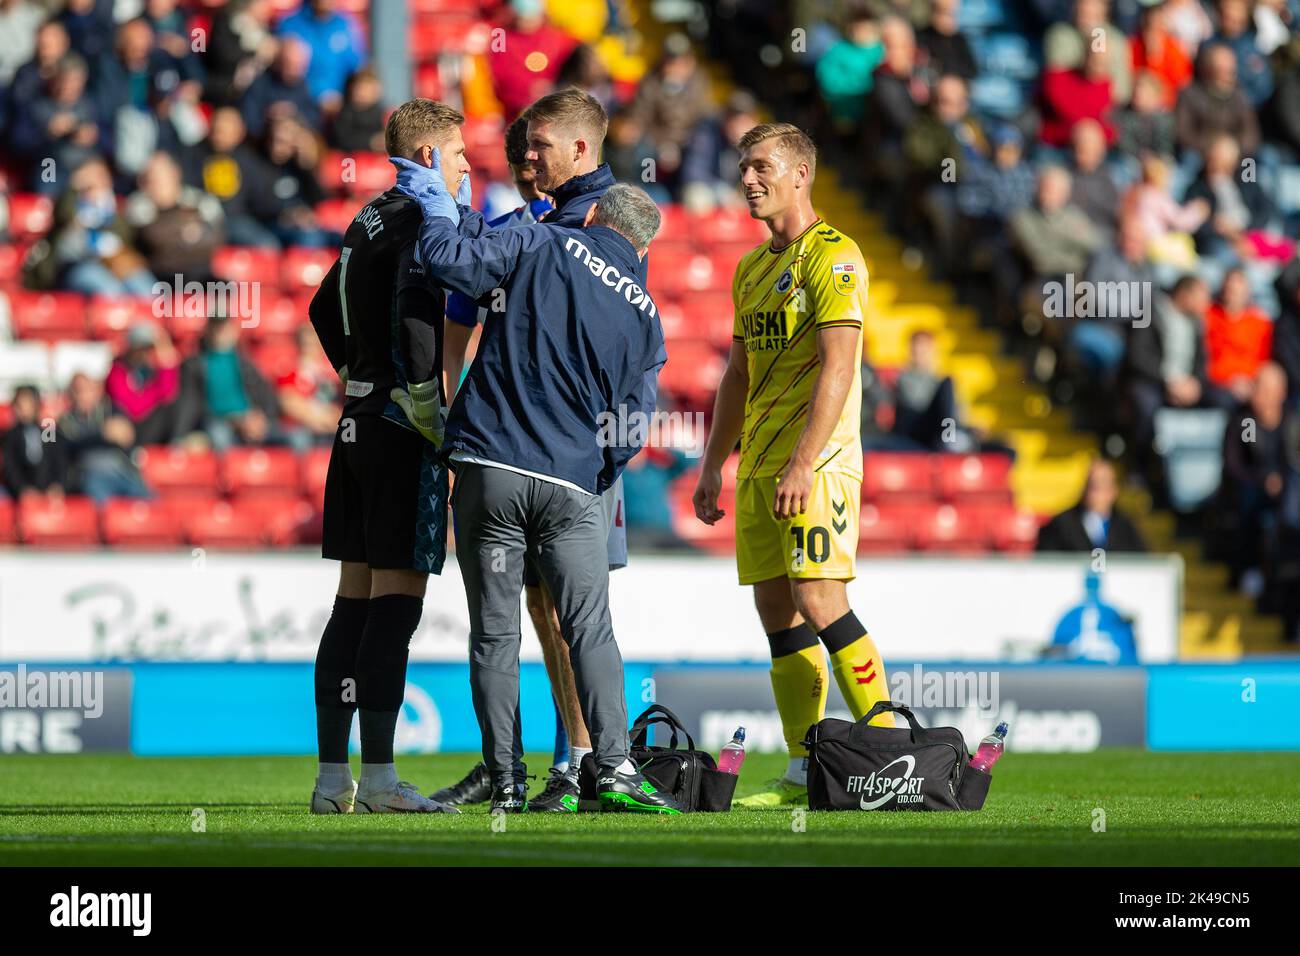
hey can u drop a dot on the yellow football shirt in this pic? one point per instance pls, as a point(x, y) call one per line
point(781, 299)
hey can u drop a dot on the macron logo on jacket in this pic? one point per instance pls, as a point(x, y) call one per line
point(632, 293)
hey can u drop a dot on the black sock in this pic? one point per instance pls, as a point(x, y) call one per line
point(336, 661)
point(381, 671)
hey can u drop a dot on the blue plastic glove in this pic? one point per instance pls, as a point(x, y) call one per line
point(425, 184)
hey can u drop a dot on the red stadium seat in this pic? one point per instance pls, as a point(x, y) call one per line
point(711, 316)
point(945, 528)
point(8, 528)
point(693, 371)
point(249, 472)
point(719, 538)
point(128, 523)
point(30, 215)
point(63, 522)
point(278, 316)
point(275, 357)
point(455, 34)
point(220, 524)
point(286, 521)
point(315, 466)
point(109, 318)
point(11, 263)
point(728, 225)
point(446, 6)
point(882, 529)
point(1011, 529)
point(337, 214)
point(675, 228)
point(302, 268)
point(362, 174)
point(247, 264)
point(48, 316)
point(173, 471)
point(897, 477)
point(962, 478)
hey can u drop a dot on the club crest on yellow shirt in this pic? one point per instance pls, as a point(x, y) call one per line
point(844, 278)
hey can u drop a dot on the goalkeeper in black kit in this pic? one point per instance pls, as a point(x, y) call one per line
point(379, 319)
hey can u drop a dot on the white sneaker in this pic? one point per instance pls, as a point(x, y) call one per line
point(404, 798)
point(334, 802)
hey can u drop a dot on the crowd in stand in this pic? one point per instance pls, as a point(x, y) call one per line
point(164, 130)
point(1156, 145)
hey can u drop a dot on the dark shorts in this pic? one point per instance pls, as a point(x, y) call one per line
point(385, 498)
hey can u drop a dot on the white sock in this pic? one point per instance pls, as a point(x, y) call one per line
point(575, 761)
point(378, 777)
point(797, 772)
point(561, 768)
point(333, 777)
point(627, 766)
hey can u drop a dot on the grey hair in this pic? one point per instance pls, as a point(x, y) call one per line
point(631, 213)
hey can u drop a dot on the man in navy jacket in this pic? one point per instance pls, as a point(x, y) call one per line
point(559, 398)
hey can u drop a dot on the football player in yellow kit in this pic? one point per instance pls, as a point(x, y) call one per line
point(791, 397)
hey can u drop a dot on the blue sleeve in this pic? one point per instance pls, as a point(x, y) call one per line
point(461, 310)
point(474, 266)
point(642, 398)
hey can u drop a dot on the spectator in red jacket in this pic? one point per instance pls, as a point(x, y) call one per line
point(1158, 51)
point(1238, 336)
point(527, 61)
point(1073, 95)
point(144, 383)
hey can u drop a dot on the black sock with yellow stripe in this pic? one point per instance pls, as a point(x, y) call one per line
point(858, 668)
point(798, 683)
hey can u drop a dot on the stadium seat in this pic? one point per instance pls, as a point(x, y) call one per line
point(674, 229)
point(278, 315)
point(220, 524)
point(69, 358)
point(247, 264)
point(728, 225)
point(8, 528)
point(285, 521)
point(942, 527)
point(1010, 529)
point(362, 174)
point(173, 471)
point(693, 371)
point(139, 523)
point(266, 472)
point(109, 318)
point(11, 263)
point(58, 522)
point(275, 357)
point(337, 214)
point(882, 529)
point(428, 81)
point(455, 34)
point(897, 477)
point(315, 466)
point(48, 316)
point(302, 268)
point(30, 216)
point(963, 478)
point(711, 316)
point(719, 538)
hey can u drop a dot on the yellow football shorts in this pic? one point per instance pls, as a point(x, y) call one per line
point(820, 543)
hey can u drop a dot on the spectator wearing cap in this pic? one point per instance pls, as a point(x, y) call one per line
point(1145, 126)
point(98, 443)
point(281, 89)
point(90, 246)
point(1158, 53)
point(337, 47)
point(1073, 94)
point(527, 61)
point(18, 22)
point(1096, 522)
point(1238, 336)
point(223, 395)
point(143, 384)
point(844, 72)
point(177, 227)
point(34, 461)
point(946, 49)
point(1067, 46)
point(359, 124)
point(1215, 104)
point(1237, 32)
point(670, 102)
point(709, 167)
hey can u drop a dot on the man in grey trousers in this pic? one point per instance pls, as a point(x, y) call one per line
point(559, 398)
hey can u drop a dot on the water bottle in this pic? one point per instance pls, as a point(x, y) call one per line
point(990, 749)
point(733, 755)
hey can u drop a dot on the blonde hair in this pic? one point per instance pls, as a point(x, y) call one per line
point(416, 122)
point(791, 139)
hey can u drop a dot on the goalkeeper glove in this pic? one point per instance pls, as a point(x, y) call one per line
point(422, 409)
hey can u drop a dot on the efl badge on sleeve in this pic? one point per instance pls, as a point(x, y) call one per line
point(844, 276)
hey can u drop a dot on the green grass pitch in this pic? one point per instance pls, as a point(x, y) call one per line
point(1160, 809)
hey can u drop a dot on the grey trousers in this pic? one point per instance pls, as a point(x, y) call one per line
point(501, 516)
